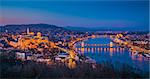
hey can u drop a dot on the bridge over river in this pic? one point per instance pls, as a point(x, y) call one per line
point(86, 45)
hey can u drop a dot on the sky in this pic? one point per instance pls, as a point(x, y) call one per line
point(129, 15)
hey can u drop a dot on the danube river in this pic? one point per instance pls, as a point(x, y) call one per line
point(113, 54)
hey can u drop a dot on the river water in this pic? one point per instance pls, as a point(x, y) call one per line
point(112, 54)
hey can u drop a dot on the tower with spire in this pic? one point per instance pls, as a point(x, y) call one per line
point(28, 31)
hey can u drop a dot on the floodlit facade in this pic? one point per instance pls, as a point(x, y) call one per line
point(30, 41)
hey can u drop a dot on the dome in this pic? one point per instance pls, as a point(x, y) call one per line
point(39, 34)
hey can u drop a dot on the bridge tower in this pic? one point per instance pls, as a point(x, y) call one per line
point(6, 31)
point(82, 44)
point(111, 44)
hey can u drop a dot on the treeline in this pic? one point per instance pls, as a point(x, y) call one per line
point(12, 68)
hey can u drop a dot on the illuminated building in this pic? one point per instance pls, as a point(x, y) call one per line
point(30, 41)
point(82, 44)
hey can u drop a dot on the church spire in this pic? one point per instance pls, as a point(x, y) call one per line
point(28, 31)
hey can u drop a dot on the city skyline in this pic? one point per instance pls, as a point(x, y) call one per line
point(74, 39)
point(128, 15)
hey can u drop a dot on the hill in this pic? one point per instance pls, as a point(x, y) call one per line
point(33, 27)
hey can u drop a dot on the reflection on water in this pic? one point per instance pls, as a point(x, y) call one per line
point(83, 50)
point(114, 54)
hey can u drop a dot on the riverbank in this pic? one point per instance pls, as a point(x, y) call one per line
point(112, 54)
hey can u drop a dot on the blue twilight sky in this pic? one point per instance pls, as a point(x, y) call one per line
point(129, 15)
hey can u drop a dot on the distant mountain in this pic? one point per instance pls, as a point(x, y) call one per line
point(32, 27)
point(106, 28)
point(86, 28)
point(77, 28)
point(47, 28)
